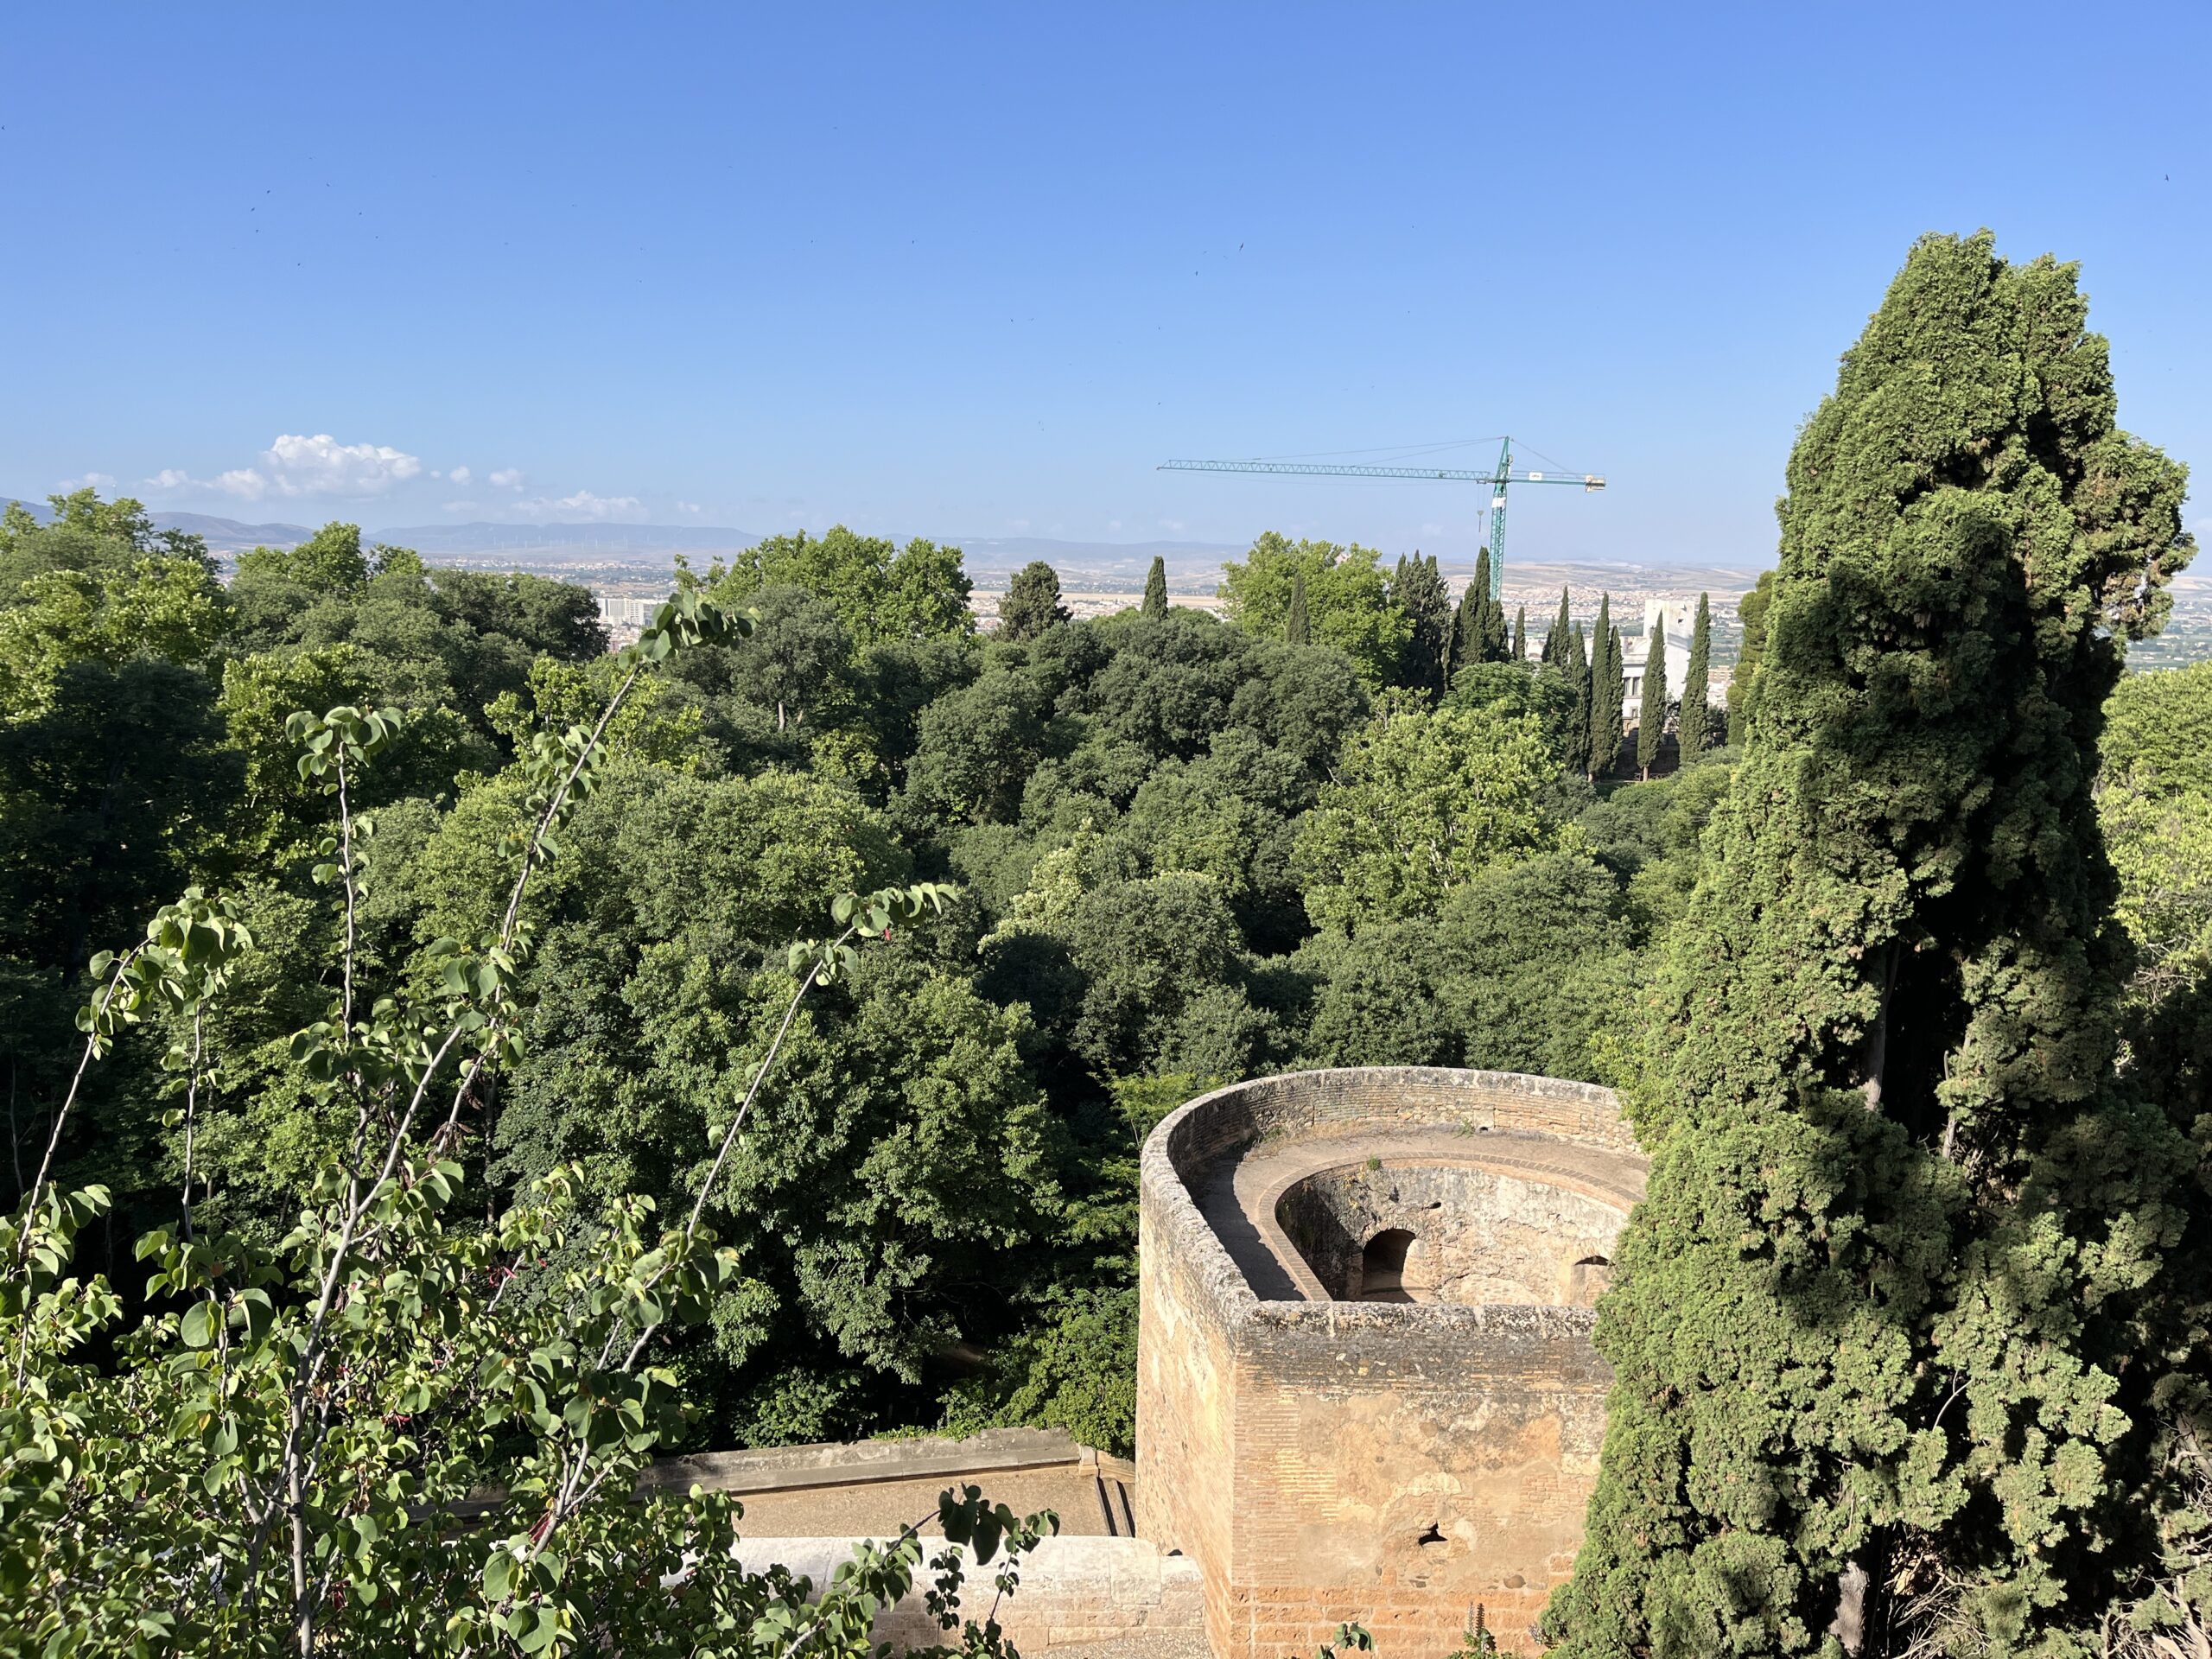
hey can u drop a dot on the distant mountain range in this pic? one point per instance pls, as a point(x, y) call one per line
point(1103, 567)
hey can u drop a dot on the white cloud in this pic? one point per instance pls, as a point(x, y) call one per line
point(689, 507)
point(296, 464)
point(89, 481)
point(507, 478)
point(1017, 524)
point(460, 475)
point(242, 481)
point(1171, 524)
point(322, 466)
point(459, 507)
point(605, 509)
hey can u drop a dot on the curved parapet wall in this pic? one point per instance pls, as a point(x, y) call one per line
point(1393, 1461)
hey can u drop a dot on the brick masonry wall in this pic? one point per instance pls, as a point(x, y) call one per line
point(1321, 1461)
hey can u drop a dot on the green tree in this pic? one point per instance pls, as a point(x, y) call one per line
point(1346, 596)
point(1742, 684)
point(884, 594)
point(1155, 588)
point(1651, 711)
point(1577, 665)
point(166, 608)
point(1696, 682)
point(979, 745)
point(1417, 589)
point(1298, 626)
point(1556, 638)
point(1473, 629)
point(1889, 1329)
point(1495, 636)
point(1520, 634)
point(1502, 690)
point(84, 533)
point(1608, 690)
point(1031, 603)
point(1424, 799)
point(331, 561)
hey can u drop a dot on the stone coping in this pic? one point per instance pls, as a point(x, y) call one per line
point(853, 1463)
point(1307, 1106)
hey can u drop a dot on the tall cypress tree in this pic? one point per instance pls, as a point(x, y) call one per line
point(1884, 1330)
point(1475, 609)
point(1494, 634)
point(1555, 640)
point(1651, 708)
point(1576, 664)
point(1295, 628)
point(1608, 690)
point(1155, 588)
point(1696, 679)
point(1466, 630)
point(1520, 634)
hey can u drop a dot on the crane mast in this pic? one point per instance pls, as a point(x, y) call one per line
point(1498, 477)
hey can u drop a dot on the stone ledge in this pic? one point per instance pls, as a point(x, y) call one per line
point(797, 1468)
point(1073, 1592)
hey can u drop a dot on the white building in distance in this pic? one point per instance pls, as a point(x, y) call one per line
point(1675, 620)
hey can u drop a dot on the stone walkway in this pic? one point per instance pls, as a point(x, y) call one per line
point(1238, 1195)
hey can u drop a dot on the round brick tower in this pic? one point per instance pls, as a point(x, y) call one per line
point(1366, 1384)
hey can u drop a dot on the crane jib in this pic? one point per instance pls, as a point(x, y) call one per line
point(1497, 478)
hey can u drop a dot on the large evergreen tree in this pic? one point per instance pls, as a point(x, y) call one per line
point(1520, 653)
point(1155, 588)
point(1882, 1331)
point(1417, 589)
point(1031, 603)
point(1298, 628)
point(1696, 682)
point(1651, 708)
point(1608, 690)
point(1476, 606)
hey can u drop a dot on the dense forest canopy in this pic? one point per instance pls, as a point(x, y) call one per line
point(1189, 849)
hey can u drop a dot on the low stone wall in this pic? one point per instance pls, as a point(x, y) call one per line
point(1324, 1460)
point(1074, 1593)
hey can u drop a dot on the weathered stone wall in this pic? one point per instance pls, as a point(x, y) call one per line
point(1324, 1460)
point(1481, 1237)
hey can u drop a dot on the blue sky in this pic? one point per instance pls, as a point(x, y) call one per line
point(975, 271)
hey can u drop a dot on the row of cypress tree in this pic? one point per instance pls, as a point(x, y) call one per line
point(1600, 676)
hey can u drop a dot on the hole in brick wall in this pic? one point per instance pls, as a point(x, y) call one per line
point(1434, 1535)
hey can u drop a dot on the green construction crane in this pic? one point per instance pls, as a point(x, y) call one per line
point(1497, 480)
